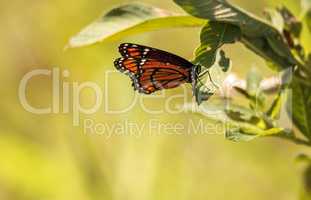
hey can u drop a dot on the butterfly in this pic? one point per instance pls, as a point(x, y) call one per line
point(151, 69)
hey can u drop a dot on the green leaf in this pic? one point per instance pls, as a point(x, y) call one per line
point(277, 104)
point(245, 115)
point(236, 135)
point(258, 35)
point(241, 114)
point(213, 36)
point(210, 55)
point(303, 158)
point(275, 18)
point(209, 80)
point(243, 125)
point(224, 62)
point(131, 19)
point(248, 133)
point(222, 11)
point(275, 109)
point(299, 107)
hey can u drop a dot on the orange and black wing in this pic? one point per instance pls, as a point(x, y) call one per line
point(149, 75)
point(151, 69)
point(130, 66)
point(129, 50)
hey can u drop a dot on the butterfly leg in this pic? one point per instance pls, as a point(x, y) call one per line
point(210, 78)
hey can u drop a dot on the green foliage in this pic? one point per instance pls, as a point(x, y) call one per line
point(299, 107)
point(242, 124)
point(291, 29)
point(209, 54)
point(222, 11)
point(213, 36)
point(275, 109)
point(277, 41)
point(238, 135)
point(131, 19)
point(303, 158)
point(257, 35)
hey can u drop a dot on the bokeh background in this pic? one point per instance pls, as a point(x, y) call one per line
point(46, 157)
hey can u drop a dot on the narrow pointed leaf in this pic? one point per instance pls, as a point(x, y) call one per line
point(131, 19)
point(236, 135)
point(275, 109)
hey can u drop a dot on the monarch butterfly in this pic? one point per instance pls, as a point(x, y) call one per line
point(151, 69)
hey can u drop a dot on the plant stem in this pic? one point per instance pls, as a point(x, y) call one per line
point(301, 142)
point(296, 140)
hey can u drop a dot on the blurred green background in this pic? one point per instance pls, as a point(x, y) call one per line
point(46, 157)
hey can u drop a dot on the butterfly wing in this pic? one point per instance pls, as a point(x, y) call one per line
point(151, 69)
point(128, 50)
point(150, 75)
point(130, 66)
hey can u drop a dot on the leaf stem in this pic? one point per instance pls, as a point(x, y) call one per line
point(296, 140)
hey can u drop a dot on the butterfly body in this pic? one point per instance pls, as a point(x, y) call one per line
point(152, 69)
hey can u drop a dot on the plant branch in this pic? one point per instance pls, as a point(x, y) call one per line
point(296, 140)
